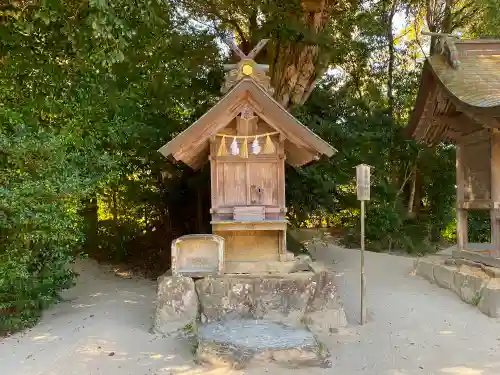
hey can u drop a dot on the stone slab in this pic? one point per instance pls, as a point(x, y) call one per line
point(444, 276)
point(197, 255)
point(492, 272)
point(425, 268)
point(476, 257)
point(176, 304)
point(269, 267)
point(465, 262)
point(223, 298)
point(278, 298)
point(483, 292)
point(325, 313)
point(284, 300)
point(490, 299)
point(238, 343)
point(468, 286)
point(296, 299)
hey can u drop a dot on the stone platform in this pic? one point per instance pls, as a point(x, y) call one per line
point(474, 283)
point(302, 299)
point(238, 343)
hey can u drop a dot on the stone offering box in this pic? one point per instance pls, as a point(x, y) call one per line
point(198, 255)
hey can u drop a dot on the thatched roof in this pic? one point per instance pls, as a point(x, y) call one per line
point(301, 145)
point(453, 101)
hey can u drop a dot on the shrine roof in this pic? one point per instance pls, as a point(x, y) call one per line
point(194, 141)
point(470, 91)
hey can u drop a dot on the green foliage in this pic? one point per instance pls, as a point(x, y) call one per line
point(39, 223)
point(86, 99)
point(479, 227)
point(363, 132)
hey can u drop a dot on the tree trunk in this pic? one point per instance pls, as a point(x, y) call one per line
point(114, 207)
point(296, 61)
point(413, 185)
point(296, 67)
point(417, 201)
point(392, 57)
point(439, 18)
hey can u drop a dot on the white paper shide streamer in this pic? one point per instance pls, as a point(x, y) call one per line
point(235, 150)
point(240, 144)
point(256, 147)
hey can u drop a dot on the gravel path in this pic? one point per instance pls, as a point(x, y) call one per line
point(414, 328)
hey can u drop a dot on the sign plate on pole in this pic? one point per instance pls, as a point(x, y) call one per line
point(363, 182)
point(363, 192)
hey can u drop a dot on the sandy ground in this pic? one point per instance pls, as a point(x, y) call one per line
point(414, 328)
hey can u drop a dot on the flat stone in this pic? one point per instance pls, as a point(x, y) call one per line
point(425, 268)
point(273, 267)
point(444, 275)
point(491, 271)
point(238, 343)
point(176, 304)
point(490, 299)
point(465, 262)
point(477, 257)
point(468, 286)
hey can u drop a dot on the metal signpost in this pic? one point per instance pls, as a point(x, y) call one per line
point(363, 192)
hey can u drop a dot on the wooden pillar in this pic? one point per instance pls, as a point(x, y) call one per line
point(495, 191)
point(213, 177)
point(462, 225)
point(281, 194)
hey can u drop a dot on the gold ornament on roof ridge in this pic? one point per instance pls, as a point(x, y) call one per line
point(247, 68)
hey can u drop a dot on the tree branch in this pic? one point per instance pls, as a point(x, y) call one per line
point(229, 21)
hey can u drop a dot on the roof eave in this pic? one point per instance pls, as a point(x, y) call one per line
point(426, 82)
point(319, 145)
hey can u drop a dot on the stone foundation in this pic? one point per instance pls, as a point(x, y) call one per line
point(474, 285)
point(295, 306)
point(301, 299)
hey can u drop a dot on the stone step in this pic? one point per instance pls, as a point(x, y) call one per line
point(238, 343)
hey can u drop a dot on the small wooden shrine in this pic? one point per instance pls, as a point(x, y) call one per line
point(247, 137)
point(459, 101)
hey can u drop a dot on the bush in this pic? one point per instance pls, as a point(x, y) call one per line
point(42, 179)
point(36, 248)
